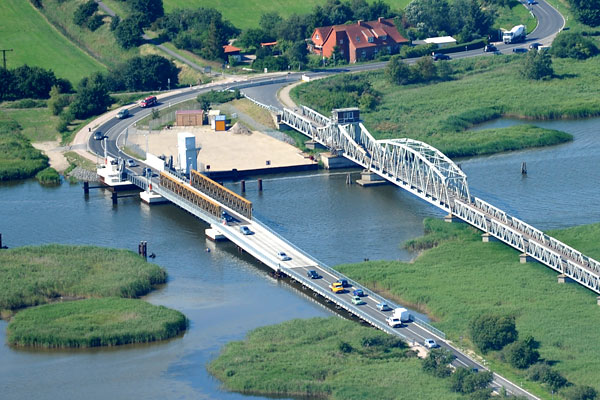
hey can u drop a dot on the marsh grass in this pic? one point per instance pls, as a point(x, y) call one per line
point(18, 158)
point(304, 358)
point(461, 277)
point(94, 322)
point(34, 275)
point(483, 88)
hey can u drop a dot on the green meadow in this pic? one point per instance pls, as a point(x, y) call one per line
point(462, 277)
point(37, 43)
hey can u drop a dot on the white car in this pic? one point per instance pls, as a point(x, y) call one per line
point(394, 322)
point(430, 344)
point(283, 257)
point(131, 163)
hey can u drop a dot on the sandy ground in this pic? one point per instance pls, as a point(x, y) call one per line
point(55, 153)
point(284, 95)
point(224, 151)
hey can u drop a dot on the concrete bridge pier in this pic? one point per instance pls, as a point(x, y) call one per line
point(524, 258)
point(452, 218)
point(370, 178)
point(562, 278)
point(488, 238)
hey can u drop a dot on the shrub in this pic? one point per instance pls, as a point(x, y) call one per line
point(437, 363)
point(546, 375)
point(466, 381)
point(128, 33)
point(492, 332)
point(345, 347)
point(48, 176)
point(218, 97)
point(579, 393)
point(84, 12)
point(95, 22)
point(537, 65)
point(522, 353)
point(114, 22)
point(573, 45)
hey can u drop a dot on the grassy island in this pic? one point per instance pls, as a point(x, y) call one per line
point(94, 322)
point(34, 275)
point(90, 291)
point(479, 89)
point(329, 358)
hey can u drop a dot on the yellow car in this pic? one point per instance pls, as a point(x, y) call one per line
point(337, 287)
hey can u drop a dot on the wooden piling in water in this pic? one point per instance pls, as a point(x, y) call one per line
point(524, 168)
point(260, 185)
point(243, 182)
point(86, 187)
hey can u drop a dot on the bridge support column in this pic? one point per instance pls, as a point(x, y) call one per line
point(524, 258)
point(598, 300)
point(562, 278)
point(488, 238)
point(369, 178)
point(452, 218)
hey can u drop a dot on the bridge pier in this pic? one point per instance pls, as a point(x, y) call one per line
point(369, 178)
point(524, 258)
point(488, 238)
point(562, 278)
point(452, 218)
point(598, 300)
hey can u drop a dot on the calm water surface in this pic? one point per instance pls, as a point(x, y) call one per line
point(224, 294)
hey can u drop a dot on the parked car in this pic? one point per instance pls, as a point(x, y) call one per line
point(357, 300)
point(490, 48)
point(336, 287)
point(246, 231)
point(394, 322)
point(283, 257)
point(98, 135)
point(131, 163)
point(430, 344)
point(440, 56)
point(358, 292)
point(520, 50)
point(383, 307)
point(535, 45)
point(226, 217)
point(124, 113)
point(343, 282)
point(312, 274)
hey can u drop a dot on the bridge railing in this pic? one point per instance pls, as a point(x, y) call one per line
point(355, 284)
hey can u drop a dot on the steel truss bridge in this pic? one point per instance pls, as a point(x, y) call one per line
point(428, 174)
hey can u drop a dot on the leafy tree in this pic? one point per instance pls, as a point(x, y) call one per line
point(430, 17)
point(58, 101)
point(466, 381)
point(270, 22)
point(253, 37)
point(522, 353)
point(95, 22)
point(84, 11)
point(424, 69)
point(29, 82)
point(151, 72)
point(114, 22)
point(537, 65)
point(587, 11)
point(339, 12)
point(579, 393)
point(492, 332)
point(397, 71)
point(129, 33)
point(296, 52)
point(213, 45)
point(573, 45)
point(295, 28)
point(470, 19)
point(92, 97)
point(437, 362)
point(150, 9)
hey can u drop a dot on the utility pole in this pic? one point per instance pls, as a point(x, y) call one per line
point(4, 55)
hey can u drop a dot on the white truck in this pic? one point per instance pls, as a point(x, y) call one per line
point(516, 34)
point(402, 313)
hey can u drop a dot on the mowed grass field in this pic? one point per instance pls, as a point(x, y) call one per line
point(246, 13)
point(463, 277)
point(37, 43)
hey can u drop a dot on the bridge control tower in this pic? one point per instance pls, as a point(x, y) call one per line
point(349, 117)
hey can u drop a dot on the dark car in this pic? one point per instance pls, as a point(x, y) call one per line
point(440, 56)
point(535, 45)
point(490, 48)
point(98, 135)
point(148, 172)
point(520, 50)
point(226, 217)
point(312, 274)
point(343, 282)
point(358, 292)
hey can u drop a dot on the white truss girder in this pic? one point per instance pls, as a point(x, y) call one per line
point(429, 174)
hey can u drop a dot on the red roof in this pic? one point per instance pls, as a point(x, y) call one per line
point(266, 44)
point(381, 32)
point(230, 49)
point(184, 112)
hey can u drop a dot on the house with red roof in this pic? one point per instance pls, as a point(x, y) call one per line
point(360, 41)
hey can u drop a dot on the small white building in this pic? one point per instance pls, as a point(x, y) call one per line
point(441, 41)
point(186, 151)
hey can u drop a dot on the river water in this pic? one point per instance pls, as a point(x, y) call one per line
point(225, 294)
